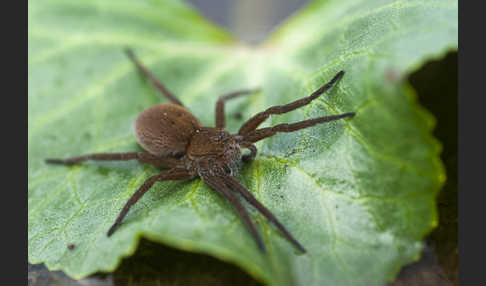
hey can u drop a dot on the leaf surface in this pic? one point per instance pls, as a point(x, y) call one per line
point(359, 193)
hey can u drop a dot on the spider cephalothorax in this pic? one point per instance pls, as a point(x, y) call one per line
point(174, 139)
point(213, 151)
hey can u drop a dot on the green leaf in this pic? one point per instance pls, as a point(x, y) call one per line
point(359, 194)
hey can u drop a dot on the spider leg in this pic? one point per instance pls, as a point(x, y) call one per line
point(152, 78)
point(234, 184)
point(262, 133)
point(219, 186)
point(143, 157)
point(173, 174)
point(220, 120)
point(257, 119)
point(253, 151)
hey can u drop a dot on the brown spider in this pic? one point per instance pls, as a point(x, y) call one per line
point(175, 139)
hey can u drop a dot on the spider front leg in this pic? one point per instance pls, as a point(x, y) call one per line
point(262, 133)
point(220, 187)
point(173, 174)
point(256, 120)
point(220, 120)
point(234, 184)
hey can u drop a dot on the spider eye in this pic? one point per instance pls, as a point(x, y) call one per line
point(228, 170)
point(178, 155)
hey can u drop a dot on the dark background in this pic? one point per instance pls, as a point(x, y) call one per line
point(251, 21)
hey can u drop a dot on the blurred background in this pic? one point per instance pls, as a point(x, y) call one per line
point(251, 21)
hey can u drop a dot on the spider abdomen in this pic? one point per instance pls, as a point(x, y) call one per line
point(165, 129)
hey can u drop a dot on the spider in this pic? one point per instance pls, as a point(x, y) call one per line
point(174, 139)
